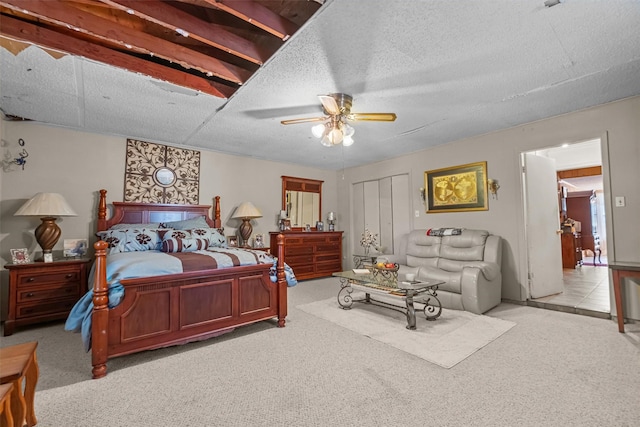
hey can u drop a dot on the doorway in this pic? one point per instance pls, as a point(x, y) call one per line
point(585, 288)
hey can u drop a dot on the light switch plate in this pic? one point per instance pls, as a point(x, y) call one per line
point(417, 214)
point(619, 201)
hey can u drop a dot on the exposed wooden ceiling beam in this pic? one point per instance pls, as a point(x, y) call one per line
point(15, 28)
point(209, 33)
point(258, 15)
point(63, 13)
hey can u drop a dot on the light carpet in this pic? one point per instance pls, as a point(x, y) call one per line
point(447, 341)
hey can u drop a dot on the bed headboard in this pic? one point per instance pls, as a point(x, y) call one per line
point(143, 213)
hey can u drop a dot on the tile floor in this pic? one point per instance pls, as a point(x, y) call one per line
point(586, 292)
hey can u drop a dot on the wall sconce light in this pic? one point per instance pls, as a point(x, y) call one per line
point(493, 187)
point(423, 194)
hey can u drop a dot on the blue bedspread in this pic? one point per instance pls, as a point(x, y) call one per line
point(154, 263)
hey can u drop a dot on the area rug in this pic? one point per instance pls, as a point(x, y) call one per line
point(447, 341)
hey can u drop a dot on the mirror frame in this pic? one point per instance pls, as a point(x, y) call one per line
point(291, 183)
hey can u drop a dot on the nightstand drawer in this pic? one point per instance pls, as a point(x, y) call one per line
point(50, 292)
point(41, 309)
point(62, 276)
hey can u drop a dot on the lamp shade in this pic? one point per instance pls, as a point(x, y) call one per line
point(46, 205)
point(247, 210)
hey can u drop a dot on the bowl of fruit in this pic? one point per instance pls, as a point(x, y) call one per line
point(387, 266)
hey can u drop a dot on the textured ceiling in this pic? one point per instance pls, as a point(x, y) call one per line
point(449, 70)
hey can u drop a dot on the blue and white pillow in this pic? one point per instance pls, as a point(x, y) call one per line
point(215, 237)
point(131, 239)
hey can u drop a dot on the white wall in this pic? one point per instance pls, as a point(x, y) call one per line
point(618, 123)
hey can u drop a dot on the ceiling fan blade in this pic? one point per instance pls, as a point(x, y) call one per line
point(305, 120)
point(330, 105)
point(372, 117)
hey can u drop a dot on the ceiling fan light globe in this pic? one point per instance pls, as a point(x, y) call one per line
point(347, 141)
point(318, 130)
point(348, 130)
point(335, 136)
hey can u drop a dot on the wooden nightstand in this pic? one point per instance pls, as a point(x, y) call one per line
point(40, 292)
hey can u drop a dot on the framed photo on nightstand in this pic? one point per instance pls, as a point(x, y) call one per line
point(232, 241)
point(20, 256)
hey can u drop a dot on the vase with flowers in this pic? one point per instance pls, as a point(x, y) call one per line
point(368, 240)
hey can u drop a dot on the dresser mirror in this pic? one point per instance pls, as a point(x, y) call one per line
point(302, 201)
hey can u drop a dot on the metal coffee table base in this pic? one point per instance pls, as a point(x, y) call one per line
point(432, 306)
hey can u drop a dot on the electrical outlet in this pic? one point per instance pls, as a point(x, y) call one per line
point(417, 214)
point(620, 201)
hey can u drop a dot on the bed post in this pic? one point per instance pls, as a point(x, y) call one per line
point(216, 213)
point(100, 314)
point(282, 282)
point(102, 211)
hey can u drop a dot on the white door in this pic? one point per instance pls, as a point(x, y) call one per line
point(543, 222)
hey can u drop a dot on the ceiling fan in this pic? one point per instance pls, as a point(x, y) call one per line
point(335, 129)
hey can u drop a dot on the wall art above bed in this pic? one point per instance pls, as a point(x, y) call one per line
point(157, 173)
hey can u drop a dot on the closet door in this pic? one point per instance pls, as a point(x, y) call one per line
point(383, 207)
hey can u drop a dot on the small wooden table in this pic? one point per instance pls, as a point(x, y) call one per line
point(621, 270)
point(18, 362)
point(6, 418)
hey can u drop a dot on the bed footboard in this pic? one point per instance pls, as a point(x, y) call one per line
point(175, 309)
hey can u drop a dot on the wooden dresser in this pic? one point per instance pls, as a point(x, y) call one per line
point(310, 254)
point(44, 291)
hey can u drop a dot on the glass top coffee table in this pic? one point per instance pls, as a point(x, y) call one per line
point(424, 292)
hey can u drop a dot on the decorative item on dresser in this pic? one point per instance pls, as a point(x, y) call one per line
point(331, 219)
point(205, 296)
point(311, 254)
point(40, 292)
point(47, 206)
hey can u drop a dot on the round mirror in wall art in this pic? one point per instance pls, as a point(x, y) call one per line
point(164, 177)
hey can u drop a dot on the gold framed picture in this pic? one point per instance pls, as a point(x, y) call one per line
point(457, 189)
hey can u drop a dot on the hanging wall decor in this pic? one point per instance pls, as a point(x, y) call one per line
point(457, 189)
point(10, 161)
point(157, 173)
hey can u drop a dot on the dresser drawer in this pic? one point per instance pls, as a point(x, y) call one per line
point(302, 269)
point(299, 260)
point(328, 267)
point(45, 277)
point(328, 247)
point(27, 294)
point(54, 307)
point(294, 251)
point(327, 257)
